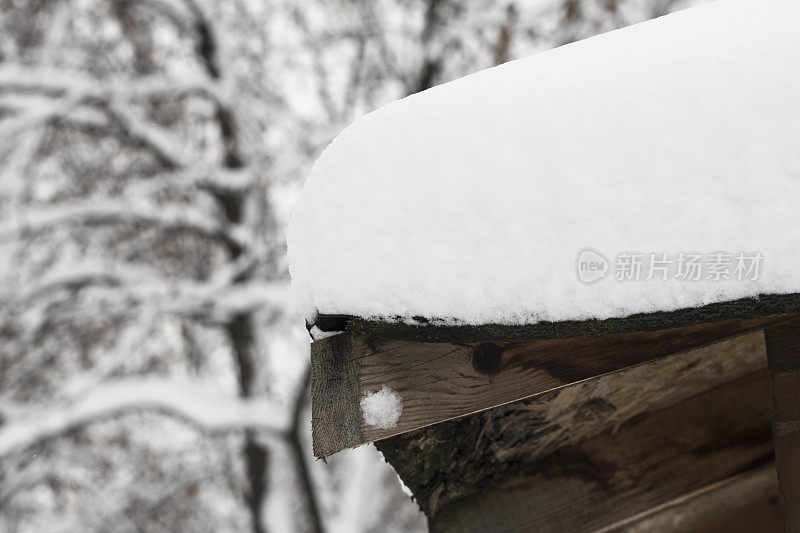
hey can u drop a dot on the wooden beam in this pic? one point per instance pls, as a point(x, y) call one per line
point(783, 355)
point(440, 381)
point(454, 459)
point(744, 503)
point(425, 330)
point(647, 463)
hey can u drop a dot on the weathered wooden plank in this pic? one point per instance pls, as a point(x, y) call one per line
point(454, 459)
point(746, 503)
point(648, 462)
point(334, 378)
point(442, 381)
point(783, 355)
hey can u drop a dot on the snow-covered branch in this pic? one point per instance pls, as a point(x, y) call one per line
point(211, 177)
point(34, 221)
point(214, 302)
point(53, 82)
point(158, 140)
point(42, 95)
point(196, 402)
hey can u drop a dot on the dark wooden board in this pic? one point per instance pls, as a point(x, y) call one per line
point(649, 461)
point(783, 354)
point(433, 330)
point(439, 381)
point(454, 459)
point(746, 503)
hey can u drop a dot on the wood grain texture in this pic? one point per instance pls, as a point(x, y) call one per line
point(783, 355)
point(746, 503)
point(334, 379)
point(455, 459)
point(441, 381)
point(648, 462)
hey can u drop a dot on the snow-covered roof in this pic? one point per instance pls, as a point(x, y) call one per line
point(531, 191)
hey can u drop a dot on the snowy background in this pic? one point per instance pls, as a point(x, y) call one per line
point(153, 369)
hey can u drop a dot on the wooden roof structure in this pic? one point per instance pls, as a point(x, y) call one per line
point(669, 421)
point(684, 420)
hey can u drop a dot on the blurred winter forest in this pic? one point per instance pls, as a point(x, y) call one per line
point(153, 372)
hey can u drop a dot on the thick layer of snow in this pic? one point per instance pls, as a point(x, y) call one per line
point(381, 408)
point(472, 201)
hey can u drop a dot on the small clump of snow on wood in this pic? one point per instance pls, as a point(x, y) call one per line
point(381, 408)
point(317, 334)
point(470, 201)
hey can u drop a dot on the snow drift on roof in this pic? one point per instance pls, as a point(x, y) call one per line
point(473, 201)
